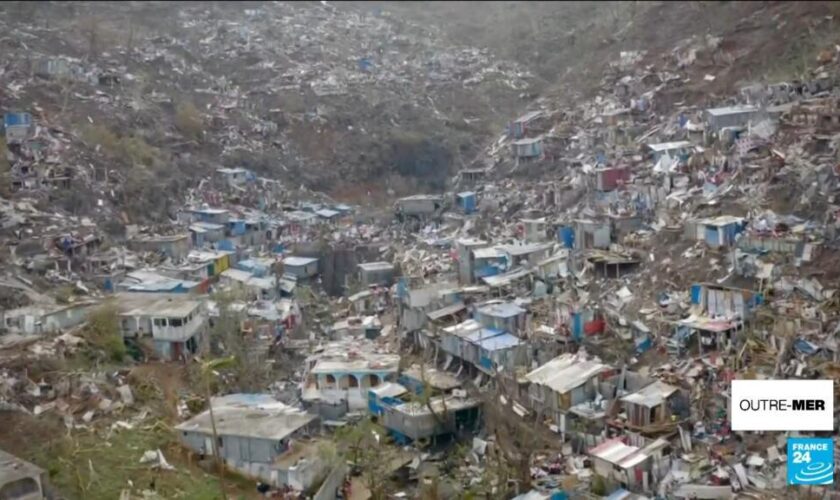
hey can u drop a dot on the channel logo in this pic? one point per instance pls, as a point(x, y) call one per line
point(810, 461)
point(782, 405)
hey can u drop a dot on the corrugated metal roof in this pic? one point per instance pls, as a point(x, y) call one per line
point(464, 328)
point(389, 390)
point(722, 220)
point(446, 311)
point(376, 266)
point(526, 142)
point(651, 395)
point(482, 334)
point(502, 310)
point(565, 372)
point(298, 261)
point(529, 116)
point(731, 110)
point(500, 342)
point(504, 279)
point(667, 146)
point(487, 253)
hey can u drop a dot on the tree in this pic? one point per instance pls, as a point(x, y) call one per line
point(250, 372)
point(364, 446)
point(189, 121)
point(102, 332)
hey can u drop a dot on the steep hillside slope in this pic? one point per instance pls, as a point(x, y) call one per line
point(306, 92)
point(362, 99)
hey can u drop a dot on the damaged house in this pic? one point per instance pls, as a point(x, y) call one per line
point(177, 325)
point(338, 378)
point(566, 389)
point(259, 437)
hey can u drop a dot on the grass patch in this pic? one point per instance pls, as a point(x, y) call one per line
point(93, 465)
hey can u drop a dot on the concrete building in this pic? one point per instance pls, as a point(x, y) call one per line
point(730, 116)
point(177, 325)
point(337, 379)
point(259, 437)
point(39, 319)
point(175, 246)
point(376, 273)
point(420, 206)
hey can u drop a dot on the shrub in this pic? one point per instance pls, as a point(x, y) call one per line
point(189, 121)
point(102, 332)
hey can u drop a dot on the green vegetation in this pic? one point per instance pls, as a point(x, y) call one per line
point(189, 121)
point(96, 465)
point(599, 486)
point(102, 332)
point(133, 149)
point(365, 446)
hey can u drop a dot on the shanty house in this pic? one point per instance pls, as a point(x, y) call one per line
point(592, 234)
point(649, 405)
point(532, 253)
point(680, 149)
point(716, 231)
point(466, 201)
point(419, 205)
point(730, 116)
point(18, 127)
point(563, 383)
point(176, 246)
point(505, 316)
point(254, 434)
point(300, 267)
point(535, 230)
point(465, 248)
point(518, 128)
point(376, 273)
point(149, 281)
point(611, 178)
point(206, 232)
point(527, 148)
point(487, 349)
point(716, 313)
point(235, 176)
point(488, 261)
point(637, 468)
point(212, 215)
point(387, 394)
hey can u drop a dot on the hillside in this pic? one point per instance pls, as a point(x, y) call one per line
point(363, 100)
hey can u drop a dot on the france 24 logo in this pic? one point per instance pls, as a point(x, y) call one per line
point(810, 461)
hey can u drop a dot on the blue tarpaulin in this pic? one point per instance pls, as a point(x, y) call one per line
point(567, 236)
point(16, 119)
point(696, 293)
